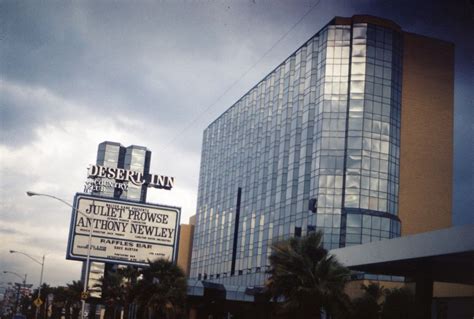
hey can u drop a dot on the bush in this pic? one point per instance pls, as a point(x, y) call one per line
point(399, 304)
point(365, 307)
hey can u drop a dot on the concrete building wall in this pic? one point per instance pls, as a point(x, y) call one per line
point(447, 290)
point(353, 288)
point(186, 245)
point(440, 289)
point(426, 159)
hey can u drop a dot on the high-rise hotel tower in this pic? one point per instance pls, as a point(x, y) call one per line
point(134, 158)
point(351, 134)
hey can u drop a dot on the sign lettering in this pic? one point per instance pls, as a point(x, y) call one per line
point(121, 231)
point(136, 178)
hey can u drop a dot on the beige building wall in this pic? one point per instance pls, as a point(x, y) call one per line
point(447, 290)
point(354, 288)
point(426, 147)
point(186, 245)
point(440, 289)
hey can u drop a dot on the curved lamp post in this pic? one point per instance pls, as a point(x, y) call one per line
point(41, 263)
point(86, 277)
point(23, 279)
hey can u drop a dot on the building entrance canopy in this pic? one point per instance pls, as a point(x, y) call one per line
point(446, 255)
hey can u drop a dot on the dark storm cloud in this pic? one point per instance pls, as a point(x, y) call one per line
point(108, 58)
point(158, 59)
point(78, 54)
point(39, 43)
point(13, 117)
point(162, 63)
point(23, 109)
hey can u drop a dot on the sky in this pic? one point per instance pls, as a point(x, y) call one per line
point(155, 73)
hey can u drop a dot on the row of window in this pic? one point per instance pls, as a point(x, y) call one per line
point(290, 130)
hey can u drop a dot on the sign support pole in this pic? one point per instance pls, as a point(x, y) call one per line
point(86, 275)
point(39, 289)
point(29, 193)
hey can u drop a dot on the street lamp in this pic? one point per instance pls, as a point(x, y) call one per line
point(23, 279)
point(41, 263)
point(86, 277)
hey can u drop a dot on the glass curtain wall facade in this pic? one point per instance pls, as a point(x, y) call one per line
point(325, 126)
point(110, 154)
point(135, 158)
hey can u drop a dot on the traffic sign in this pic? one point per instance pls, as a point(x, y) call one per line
point(38, 302)
point(84, 295)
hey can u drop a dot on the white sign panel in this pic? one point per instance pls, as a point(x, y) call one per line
point(94, 282)
point(122, 231)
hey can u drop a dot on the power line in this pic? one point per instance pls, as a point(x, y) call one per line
point(233, 84)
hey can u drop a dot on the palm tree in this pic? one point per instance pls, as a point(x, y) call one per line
point(368, 306)
point(45, 290)
point(112, 295)
point(374, 290)
point(162, 290)
point(399, 303)
point(60, 299)
point(305, 278)
point(128, 287)
point(73, 301)
point(119, 291)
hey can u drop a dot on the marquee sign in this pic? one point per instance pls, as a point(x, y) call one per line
point(100, 177)
point(122, 232)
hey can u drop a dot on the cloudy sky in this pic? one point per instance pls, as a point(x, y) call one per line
point(156, 73)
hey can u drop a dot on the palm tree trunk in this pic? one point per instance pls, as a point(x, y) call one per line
point(126, 310)
point(150, 312)
point(75, 313)
point(67, 311)
point(92, 310)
